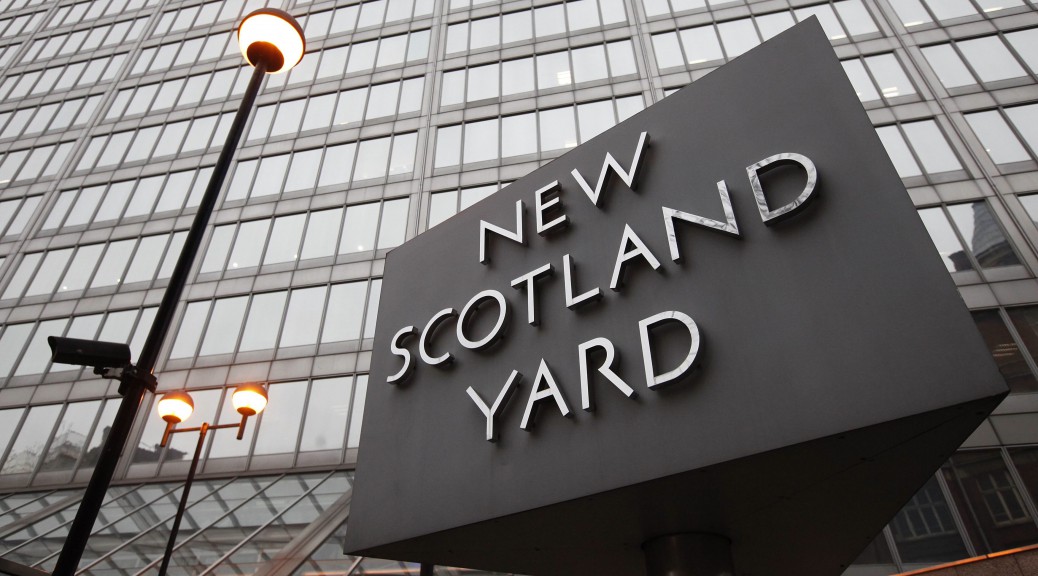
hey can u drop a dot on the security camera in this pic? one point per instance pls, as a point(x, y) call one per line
point(88, 352)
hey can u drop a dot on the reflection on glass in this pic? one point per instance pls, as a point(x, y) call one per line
point(978, 226)
point(944, 238)
point(989, 501)
point(924, 529)
point(32, 438)
point(326, 414)
point(70, 436)
point(1004, 349)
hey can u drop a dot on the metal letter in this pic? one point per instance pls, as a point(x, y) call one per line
point(473, 305)
point(536, 395)
point(531, 300)
point(423, 342)
point(623, 257)
point(782, 212)
point(606, 369)
point(729, 226)
point(610, 162)
point(540, 205)
point(573, 301)
point(516, 236)
point(651, 379)
point(502, 399)
point(408, 367)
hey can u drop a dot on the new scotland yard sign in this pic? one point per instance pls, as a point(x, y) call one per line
point(722, 315)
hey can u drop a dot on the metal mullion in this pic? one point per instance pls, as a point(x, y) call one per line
point(201, 530)
point(302, 421)
point(50, 437)
point(953, 510)
point(895, 554)
point(151, 527)
point(967, 248)
point(36, 516)
point(259, 529)
point(1016, 132)
point(954, 43)
point(968, 504)
point(1028, 358)
point(1021, 487)
point(1001, 34)
point(98, 529)
point(39, 535)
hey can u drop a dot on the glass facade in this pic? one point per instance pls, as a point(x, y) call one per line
point(401, 114)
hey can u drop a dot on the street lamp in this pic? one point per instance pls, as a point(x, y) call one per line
point(174, 408)
point(272, 42)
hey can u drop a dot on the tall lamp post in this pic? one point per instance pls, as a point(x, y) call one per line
point(272, 42)
point(174, 408)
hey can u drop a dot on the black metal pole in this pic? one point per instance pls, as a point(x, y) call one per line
point(183, 501)
point(136, 379)
point(426, 569)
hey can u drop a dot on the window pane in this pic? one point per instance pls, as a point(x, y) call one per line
point(358, 233)
point(738, 36)
point(481, 141)
point(284, 239)
point(11, 344)
point(261, 329)
point(448, 146)
point(991, 59)
point(978, 226)
point(221, 335)
point(589, 64)
point(931, 147)
point(345, 312)
point(946, 63)
point(110, 272)
point(190, 330)
point(860, 79)
point(701, 45)
point(557, 129)
point(70, 436)
point(1025, 120)
point(452, 90)
point(898, 151)
point(517, 76)
point(28, 446)
point(989, 500)
point(998, 140)
point(326, 413)
point(37, 354)
point(402, 160)
point(595, 118)
point(321, 233)
point(519, 135)
point(889, 75)
point(279, 426)
point(78, 273)
point(372, 157)
point(357, 413)
point(146, 259)
point(948, 244)
point(304, 317)
point(50, 271)
point(393, 226)
point(303, 173)
point(483, 82)
point(337, 165)
point(924, 529)
point(1015, 370)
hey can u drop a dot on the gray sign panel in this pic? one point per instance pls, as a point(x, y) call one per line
point(722, 315)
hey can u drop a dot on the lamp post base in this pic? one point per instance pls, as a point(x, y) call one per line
point(691, 554)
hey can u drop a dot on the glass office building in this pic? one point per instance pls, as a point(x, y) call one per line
point(403, 112)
